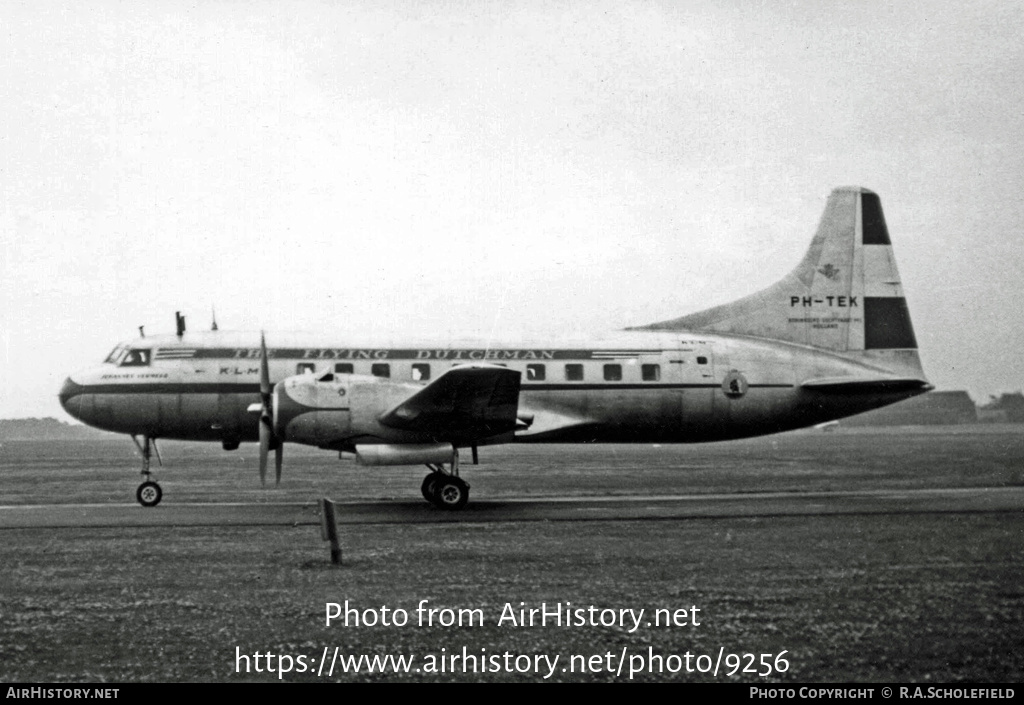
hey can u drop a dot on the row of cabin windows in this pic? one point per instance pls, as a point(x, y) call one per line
point(534, 372)
point(140, 357)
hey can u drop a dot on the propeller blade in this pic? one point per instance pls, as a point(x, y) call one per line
point(278, 459)
point(265, 432)
point(267, 439)
point(264, 373)
point(266, 413)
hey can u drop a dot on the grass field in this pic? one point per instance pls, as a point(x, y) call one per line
point(861, 459)
point(926, 598)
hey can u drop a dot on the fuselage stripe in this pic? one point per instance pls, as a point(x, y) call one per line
point(380, 354)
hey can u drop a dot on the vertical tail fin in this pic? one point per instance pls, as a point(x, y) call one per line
point(844, 296)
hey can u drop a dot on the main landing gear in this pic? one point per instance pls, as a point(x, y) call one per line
point(149, 493)
point(445, 490)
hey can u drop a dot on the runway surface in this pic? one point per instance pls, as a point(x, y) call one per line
point(664, 507)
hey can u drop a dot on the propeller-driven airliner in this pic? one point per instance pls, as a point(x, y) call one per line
point(831, 339)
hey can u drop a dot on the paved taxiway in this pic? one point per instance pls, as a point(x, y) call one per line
point(960, 500)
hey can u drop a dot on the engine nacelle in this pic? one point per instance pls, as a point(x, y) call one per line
point(406, 454)
point(314, 411)
point(337, 410)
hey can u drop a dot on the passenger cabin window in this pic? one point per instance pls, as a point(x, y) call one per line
point(343, 368)
point(574, 372)
point(702, 360)
point(420, 371)
point(305, 368)
point(135, 358)
point(380, 369)
point(535, 373)
point(650, 373)
point(613, 373)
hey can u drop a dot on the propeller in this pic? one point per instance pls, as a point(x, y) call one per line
point(267, 439)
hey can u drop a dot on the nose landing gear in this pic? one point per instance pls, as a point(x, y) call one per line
point(149, 493)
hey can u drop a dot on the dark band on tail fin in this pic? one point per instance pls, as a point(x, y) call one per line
point(887, 324)
point(875, 231)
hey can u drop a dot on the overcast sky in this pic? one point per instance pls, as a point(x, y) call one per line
point(477, 167)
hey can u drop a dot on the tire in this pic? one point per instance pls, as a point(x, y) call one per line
point(450, 493)
point(427, 488)
point(149, 494)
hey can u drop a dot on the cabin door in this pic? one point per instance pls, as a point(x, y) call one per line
point(696, 363)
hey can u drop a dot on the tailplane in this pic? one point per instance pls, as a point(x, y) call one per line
point(845, 295)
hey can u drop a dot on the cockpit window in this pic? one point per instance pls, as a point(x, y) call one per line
point(115, 355)
point(135, 358)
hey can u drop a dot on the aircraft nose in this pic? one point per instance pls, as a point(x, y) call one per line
point(70, 397)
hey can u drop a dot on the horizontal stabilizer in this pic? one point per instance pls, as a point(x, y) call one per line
point(865, 385)
point(466, 403)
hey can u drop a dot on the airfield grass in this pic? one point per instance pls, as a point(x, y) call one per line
point(35, 472)
point(906, 597)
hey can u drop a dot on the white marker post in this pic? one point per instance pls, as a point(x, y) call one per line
point(329, 529)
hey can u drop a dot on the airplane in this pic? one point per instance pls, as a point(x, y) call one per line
point(831, 339)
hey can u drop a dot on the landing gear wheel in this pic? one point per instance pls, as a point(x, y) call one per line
point(427, 488)
point(450, 493)
point(149, 494)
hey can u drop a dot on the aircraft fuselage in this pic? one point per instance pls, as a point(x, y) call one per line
point(640, 387)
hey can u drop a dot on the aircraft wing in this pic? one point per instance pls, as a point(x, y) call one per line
point(465, 403)
point(864, 385)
